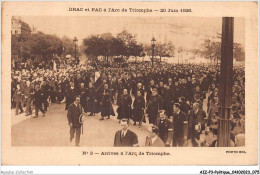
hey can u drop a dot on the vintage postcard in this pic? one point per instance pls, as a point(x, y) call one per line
point(129, 83)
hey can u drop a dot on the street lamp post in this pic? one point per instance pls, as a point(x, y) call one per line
point(75, 41)
point(153, 40)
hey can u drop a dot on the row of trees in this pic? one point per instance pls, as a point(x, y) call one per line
point(40, 46)
point(124, 45)
point(212, 50)
point(166, 49)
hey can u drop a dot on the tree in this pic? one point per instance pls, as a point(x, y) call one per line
point(93, 46)
point(108, 46)
point(37, 45)
point(102, 45)
point(170, 51)
point(160, 50)
point(68, 45)
point(239, 52)
point(44, 46)
point(166, 49)
point(147, 49)
point(15, 46)
point(212, 50)
point(195, 52)
point(117, 47)
point(130, 44)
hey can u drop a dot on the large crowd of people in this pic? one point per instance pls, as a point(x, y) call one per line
point(179, 101)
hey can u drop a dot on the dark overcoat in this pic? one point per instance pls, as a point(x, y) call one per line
point(138, 110)
point(129, 140)
point(124, 104)
point(73, 115)
point(105, 104)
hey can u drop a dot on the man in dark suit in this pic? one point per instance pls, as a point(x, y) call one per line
point(179, 126)
point(91, 100)
point(45, 91)
point(125, 137)
point(196, 120)
point(38, 101)
point(153, 140)
point(124, 104)
point(149, 90)
point(28, 95)
point(71, 94)
point(74, 112)
point(17, 98)
point(165, 128)
point(154, 105)
point(105, 104)
point(83, 96)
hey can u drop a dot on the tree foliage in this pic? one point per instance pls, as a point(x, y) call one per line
point(212, 50)
point(38, 45)
point(68, 45)
point(124, 44)
point(166, 49)
point(239, 52)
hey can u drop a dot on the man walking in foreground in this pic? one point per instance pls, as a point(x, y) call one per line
point(125, 137)
point(74, 112)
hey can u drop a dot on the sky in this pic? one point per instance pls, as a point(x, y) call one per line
point(186, 32)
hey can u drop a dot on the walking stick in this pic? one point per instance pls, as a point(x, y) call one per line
point(142, 120)
point(82, 129)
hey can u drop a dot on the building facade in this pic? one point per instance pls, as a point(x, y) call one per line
point(18, 27)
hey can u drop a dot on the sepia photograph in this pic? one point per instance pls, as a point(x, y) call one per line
point(128, 81)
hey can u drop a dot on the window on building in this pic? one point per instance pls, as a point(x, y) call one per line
point(16, 31)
